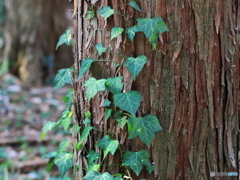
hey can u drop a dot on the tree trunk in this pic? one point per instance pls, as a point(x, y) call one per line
point(31, 30)
point(190, 82)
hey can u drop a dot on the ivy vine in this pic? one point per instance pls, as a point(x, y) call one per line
point(127, 103)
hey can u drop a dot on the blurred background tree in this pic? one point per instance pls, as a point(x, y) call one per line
point(28, 36)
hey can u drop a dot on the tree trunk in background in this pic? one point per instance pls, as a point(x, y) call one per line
point(31, 31)
point(191, 83)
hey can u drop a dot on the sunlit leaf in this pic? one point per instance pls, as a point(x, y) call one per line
point(85, 65)
point(135, 65)
point(108, 145)
point(116, 31)
point(106, 12)
point(93, 86)
point(136, 160)
point(129, 101)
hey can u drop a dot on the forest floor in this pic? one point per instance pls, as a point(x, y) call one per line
point(23, 112)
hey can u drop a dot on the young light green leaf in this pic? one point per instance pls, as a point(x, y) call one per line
point(64, 162)
point(93, 156)
point(122, 121)
point(93, 175)
point(93, 167)
point(135, 65)
point(116, 31)
point(106, 12)
point(85, 65)
point(88, 114)
point(100, 48)
point(65, 38)
point(63, 76)
point(90, 14)
point(134, 5)
point(106, 101)
point(93, 86)
point(108, 145)
point(65, 122)
point(107, 113)
point(144, 127)
point(114, 84)
point(136, 160)
point(64, 144)
point(131, 32)
point(152, 28)
point(85, 133)
point(48, 126)
point(129, 101)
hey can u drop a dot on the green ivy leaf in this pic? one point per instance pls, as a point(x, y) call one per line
point(106, 101)
point(116, 31)
point(93, 167)
point(50, 154)
point(136, 160)
point(86, 121)
point(106, 12)
point(93, 156)
point(118, 177)
point(93, 86)
point(88, 114)
point(93, 175)
point(134, 5)
point(63, 76)
point(152, 28)
point(107, 113)
point(50, 164)
point(150, 168)
point(65, 38)
point(65, 122)
point(85, 133)
point(135, 65)
point(129, 101)
point(85, 65)
point(131, 32)
point(48, 126)
point(122, 121)
point(68, 98)
point(64, 162)
point(114, 84)
point(90, 14)
point(108, 145)
point(100, 48)
point(144, 127)
point(64, 144)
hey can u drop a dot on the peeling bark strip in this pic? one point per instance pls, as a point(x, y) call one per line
point(191, 83)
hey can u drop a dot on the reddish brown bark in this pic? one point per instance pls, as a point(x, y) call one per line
point(191, 83)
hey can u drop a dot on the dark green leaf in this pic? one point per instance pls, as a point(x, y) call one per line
point(63, 76)
point(131, 32)
point(108, 145)
point(107, 113)
point(93, 86)
point(152, 28)
point(106, 12)
point(144, 127)
point(85, 65)
point(93, 175)
point(136, 160)
point(100, 48)
point(85, 133)
point(64, 162)
point(135, 65)
point(150, 168)
point(134, 5)
point(93, 156)
point(114, 84)
point(50, 164)
point(65, 38)
point(116, 31)
point(129, 101)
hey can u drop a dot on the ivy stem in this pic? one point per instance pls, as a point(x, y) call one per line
point(105, 131)
point(119, 55)
point(120, 14)
point(107, 61)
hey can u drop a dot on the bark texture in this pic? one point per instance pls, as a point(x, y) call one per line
point(190, 82)
point(31, 30)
